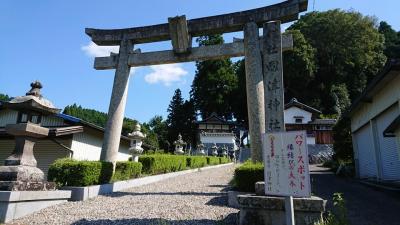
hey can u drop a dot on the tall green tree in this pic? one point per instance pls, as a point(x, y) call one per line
point(392, 40)
point(159, 127)
point(349, 50)
point(214, 83)
point(299, 67)
point(181, 119)
point(4, 97)
point(239, 99)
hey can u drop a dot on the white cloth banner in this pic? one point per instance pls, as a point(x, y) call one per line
point(286, 171)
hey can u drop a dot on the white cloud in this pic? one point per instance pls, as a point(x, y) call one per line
point(94, 50)
point(166, 74)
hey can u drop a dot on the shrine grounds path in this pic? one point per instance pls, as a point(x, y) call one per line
point(365, 205)
point(196, 198)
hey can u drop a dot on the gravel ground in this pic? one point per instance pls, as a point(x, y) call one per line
point(197, 198)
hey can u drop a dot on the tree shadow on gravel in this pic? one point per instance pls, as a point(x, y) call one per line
point(225, 187)
point(219, 201)
point(121, 194)
point(230, 219)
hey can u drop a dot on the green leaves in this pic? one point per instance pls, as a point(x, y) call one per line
point(336, 52)
point(214, 83)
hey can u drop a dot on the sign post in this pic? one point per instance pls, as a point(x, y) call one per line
point(286, 167)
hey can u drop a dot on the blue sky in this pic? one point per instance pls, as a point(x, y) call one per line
point(45, 40)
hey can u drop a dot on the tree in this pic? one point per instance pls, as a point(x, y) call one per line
point(340, 98)
point(181, 119)
point(239, 101)
point(342, 145)
point(159, 127)
point(151, 139)
point(299, 67)
point(189, 126)
point(392, 40)
point(349, 50)
point(213, 84)
point(4, 97)
point(174, 116)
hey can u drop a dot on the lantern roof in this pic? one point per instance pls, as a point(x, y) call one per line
point(136, 132)
point(32, 101)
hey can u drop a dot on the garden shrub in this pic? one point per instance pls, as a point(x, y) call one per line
point(339, 217)
point(223, 160)
point(127, 170)
point(247, 175)
point(69, 172)
point(157, 164)
point(196, 161)
point(212, 160)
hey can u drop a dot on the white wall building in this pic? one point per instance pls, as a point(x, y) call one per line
point(69, 137)
point(375, 120)
point(215, 130)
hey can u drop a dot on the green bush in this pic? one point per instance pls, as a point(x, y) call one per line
point(340, 215)
point(127, 170)
point(247, 175)
point(196, 161)
point(212, 160)
point(157, 164)
point(223, 160)
point(152, 152)
point(69, 172)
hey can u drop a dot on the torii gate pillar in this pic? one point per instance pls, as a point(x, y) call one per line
point(116, 110)
point(254, 89)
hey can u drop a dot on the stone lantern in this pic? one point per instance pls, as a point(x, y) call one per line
point(200, 149)
point(136, 143)
point(214, 150)
point(224, 152)
point(179, 145)
point(19, 172)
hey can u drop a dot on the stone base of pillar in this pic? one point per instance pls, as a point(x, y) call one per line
point(27, 186)
point(21, 173)
point(270, 210)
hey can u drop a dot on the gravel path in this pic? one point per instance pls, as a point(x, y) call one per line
point(197, 198)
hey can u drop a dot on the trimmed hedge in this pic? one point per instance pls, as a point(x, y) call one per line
point(247, 175)
point(224, 160)
point(127, 170)
point(212, 160)
point(69, 172)
point(157, 164)
point(196, 161)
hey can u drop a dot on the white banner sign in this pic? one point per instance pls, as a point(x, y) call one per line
point(286, 164)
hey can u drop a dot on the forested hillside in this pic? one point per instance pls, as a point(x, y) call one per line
point(96, 117)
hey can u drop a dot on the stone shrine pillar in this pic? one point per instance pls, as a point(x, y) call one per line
point(254, 89)
point(273, 77)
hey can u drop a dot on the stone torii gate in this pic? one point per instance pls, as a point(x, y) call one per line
point(260, 54)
